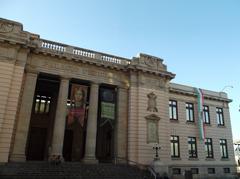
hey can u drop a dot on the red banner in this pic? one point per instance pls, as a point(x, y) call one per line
point(77, 105)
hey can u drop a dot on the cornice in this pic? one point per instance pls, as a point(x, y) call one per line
point(206, 96)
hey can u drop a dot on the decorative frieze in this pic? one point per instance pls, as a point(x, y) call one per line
point(86, 71)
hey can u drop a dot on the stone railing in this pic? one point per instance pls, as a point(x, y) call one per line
point(53, 46)
point(76, 51)
point(84, 53)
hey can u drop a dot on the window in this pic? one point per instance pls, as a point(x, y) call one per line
point(206, 114)
point(175, 146)
point(173, 110)
point(42, 104)
point(176, 171)
point(220, 120)
point(211, 170)
point(226, 170)
point(194, 170)
point(192, 147)
point(223, 148)
point(208, 148)
point(189, 112)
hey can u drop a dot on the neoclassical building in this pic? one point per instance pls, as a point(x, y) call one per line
point(88, 106)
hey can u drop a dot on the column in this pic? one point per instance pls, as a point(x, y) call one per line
point(23, 122)
point(60, 119)
point(90, 146)
point(121, 125)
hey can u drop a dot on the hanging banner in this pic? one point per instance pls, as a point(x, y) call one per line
point(200, 113)
point(107, 110)
point(77, 105)
point(107, 113)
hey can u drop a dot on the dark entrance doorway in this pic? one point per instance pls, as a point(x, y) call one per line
point(106, 124)
point(37, 142)
point(67, 145)
point(42, 118)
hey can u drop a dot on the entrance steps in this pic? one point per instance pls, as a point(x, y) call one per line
point(70, 170)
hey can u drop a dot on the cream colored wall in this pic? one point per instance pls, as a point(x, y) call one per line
point(141, 152)
point(10, 84)
point(138, 149)
point(183, 129)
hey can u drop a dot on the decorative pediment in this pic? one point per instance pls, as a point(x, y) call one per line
point(7, 26)
point(149, 62)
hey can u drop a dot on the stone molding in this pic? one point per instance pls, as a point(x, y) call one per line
point(189, 91)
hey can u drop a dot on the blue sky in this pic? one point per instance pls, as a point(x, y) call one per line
point(198, 40)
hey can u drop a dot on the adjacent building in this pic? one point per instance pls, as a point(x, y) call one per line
point(81, 105)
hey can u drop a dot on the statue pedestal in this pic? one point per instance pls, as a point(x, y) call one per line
point(159, 167)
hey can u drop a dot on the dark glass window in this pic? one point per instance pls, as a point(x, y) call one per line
point(175, 146)
point(211, 170)
point(192, 147)
point(189, 112)
point(208, 148)
point(173, 112)
point(176, 171)
point(194, 170)
point(42, 104)
point(223, 148)
point(220, 119)
point(206, 114)
point(226, 170)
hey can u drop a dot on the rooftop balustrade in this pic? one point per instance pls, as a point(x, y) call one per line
point(81, 52)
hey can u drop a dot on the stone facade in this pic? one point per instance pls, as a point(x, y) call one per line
point(143, 91)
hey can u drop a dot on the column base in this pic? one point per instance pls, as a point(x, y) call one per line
point(17, 158)
point(56, 158)
point(90, 160)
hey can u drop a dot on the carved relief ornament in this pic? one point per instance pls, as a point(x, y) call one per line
point(6, 27)
point(152, 128)
point(152, 103)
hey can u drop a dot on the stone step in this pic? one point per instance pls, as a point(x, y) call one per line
point(70, 170)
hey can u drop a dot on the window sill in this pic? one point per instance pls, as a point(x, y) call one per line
point(224, 159)
point(210, 159)
point(176, 158)
point(190, 122)
point(209, 125)
point(174, 120)
point(193, 159)
point(221, 126)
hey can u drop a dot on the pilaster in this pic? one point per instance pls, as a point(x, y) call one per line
point(19, 147)
point(121, 125)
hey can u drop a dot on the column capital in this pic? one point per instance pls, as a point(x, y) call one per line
point(65, 77)
point(123, 87)
point(32, 72)
point(95, 83)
